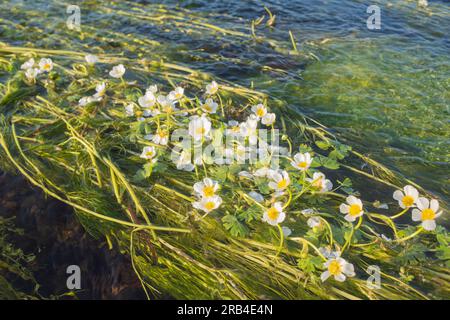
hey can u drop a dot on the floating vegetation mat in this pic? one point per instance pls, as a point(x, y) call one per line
point(104, 133)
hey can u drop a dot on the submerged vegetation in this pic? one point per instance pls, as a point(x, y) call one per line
point(96, 131)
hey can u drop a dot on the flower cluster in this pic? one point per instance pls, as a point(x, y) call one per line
point(206, 192)
point(424, 210)
point(32, 70)
point(269, 188)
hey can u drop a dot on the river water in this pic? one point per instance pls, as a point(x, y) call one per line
point(385, 92)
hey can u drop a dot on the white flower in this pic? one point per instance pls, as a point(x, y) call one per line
point(160, 137)
point(353, 209)
point(152, 89)
point(183, 162)
point(280, 181)
point(91, 59)
point(319, 182)
point(275, 214)
point(28, 64)
point(339, 268)
point(408, 198)
point(427, 211)
point(212, 88)
point(259, 110)
point(256, 196)
point(32, 73)
point(209, 106)
point(46, 65)
point(167, 104)
point(208, 204)
point(313, 222)
point(176, 94)
point(117, 71)
point(302, 161)
point(206, 188)
point(199, 127)
point(131, 111)
point(149, 153)
point(268, 119)
point(147, 101)
point(100, 90)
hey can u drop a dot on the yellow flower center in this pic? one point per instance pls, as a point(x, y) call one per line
point(208, 191)
point(260, 112)
point(139, 113)
point(149, 154)
point(334, 268)
point(272, 213)
point(428, 214)
point(162, 134)
point(317, 183)
point(354, 210)
point(282, 184)
point(408, 201)
point(207, 107)
point(46, 66)
point(302, 165)
point(210, 205)
point(200, 130)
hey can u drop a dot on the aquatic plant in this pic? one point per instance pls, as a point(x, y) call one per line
point(200, 228)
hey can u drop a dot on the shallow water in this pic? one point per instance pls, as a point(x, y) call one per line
point(384, 92)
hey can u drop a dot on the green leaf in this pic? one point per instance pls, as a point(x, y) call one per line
point(159, 167)
point(411, 254)
point(323, 145)
point(310, 263)
point(250, 214)
point(220, 173)
point(234, 226)
point(330, 164)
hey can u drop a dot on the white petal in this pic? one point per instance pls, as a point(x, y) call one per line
point(273, 185)
point(198, 187)
point(398, 195)
point(350, 218)
point(349, 269)
point(434, 205)
point(281, 217)
point(429, 225)
point(325, 275)
point(422, 203)
point(416, 215)
point(340, 277)
point(343, 208)
point(352, 200)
